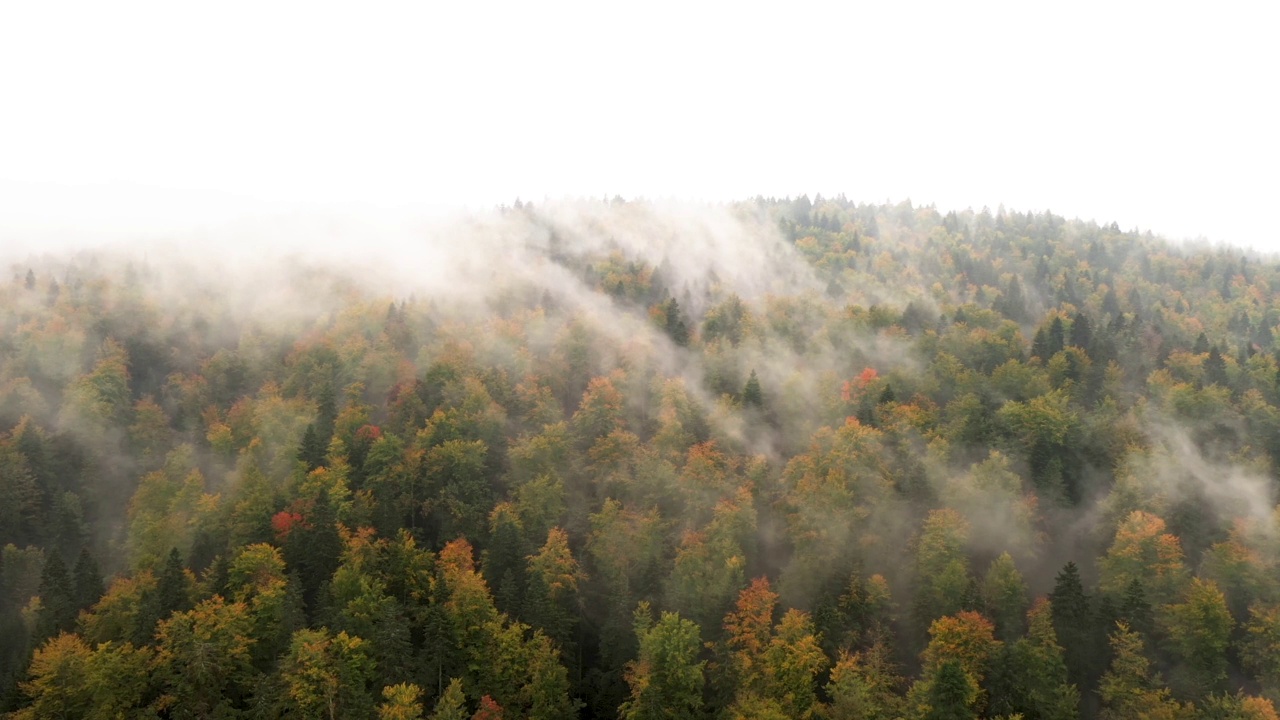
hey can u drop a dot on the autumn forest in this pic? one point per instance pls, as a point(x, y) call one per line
point(784, 458)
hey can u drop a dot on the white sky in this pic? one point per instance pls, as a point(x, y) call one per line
point(120, 115)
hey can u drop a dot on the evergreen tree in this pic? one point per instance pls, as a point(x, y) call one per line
point(1135, 610)
point(1073, 625)
point(751, 394)
point(1081, 332)
point(1201, 345)
point(1215, 368)
point(1055, 337)
point(171, 586)
point(314, 549)
point(951, 694)
point(313, 448)
point(57, 600)
point(88, 586)
point(675, 324)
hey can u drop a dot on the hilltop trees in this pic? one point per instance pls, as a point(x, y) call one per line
point(784, 459)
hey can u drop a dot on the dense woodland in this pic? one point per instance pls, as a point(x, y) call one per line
point(780, 459)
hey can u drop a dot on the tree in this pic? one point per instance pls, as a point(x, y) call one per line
point(674, 323)
point(401, 702)
point(952, 694)
point(864, 686)
point(1143, 550)
point(313, 549)
point(57, 599)
point(792, 663)
point(204, 659)
point(1199, 631)
point(1030, 677)
point(941, 566)
point(503, 562)
point(553, 600)
point(326, 675)
point(1073, 625)
point(452, 704)
point(1005, 596)
point(59, 680)
point(751, 394)
point(87, 585)
point(1236, 707)
point(666, 679)
point(1129, 690)
point(748, 629)
point(1260, 647)
point(488, 709)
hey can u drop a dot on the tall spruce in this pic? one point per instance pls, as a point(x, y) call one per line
point(1073, 624)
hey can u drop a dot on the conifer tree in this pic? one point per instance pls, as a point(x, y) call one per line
point(57, 599)
point(88, 586)
point(751, 394)
point(951, 694)
point(1073, 624)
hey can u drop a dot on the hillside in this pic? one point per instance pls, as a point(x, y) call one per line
point(778, 459)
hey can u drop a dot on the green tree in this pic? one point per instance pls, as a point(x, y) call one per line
point(1030, 676)
point(1199, 631)
point(57, 599)
point(941, 566)
point(864, 686)
point(204, 659)
point(1129, 689)
point(666, 680)
point(952, 694)
point(1073, 624)
point(1005, 596)
point(87, 586)
point(327, 676)
point(752, 397)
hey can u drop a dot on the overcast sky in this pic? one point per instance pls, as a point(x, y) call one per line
point(122, 115)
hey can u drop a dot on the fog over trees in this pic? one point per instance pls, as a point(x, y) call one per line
point(780, 458)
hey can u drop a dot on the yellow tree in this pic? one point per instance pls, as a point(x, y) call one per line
point(1143, 551)
point(1129, 690)
point(965, 641)
point(326, 675)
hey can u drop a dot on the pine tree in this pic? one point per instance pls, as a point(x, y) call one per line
point(1135, 610)
point(1073, 624)
point(1215, 368)
point(312, 449)
point(675, 324)
point(87, 583)
point(751, 394)
point(57, 600)
point(1056, 337)
point(1081, 332)
point(171, 586)
point(951, 694)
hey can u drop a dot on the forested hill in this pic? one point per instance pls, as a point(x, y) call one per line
point(778, 459)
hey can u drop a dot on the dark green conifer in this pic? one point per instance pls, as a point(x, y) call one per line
point(57, 599)
point(1073, 623)
point(951, 694)
point(88, 585)
point(752, 396)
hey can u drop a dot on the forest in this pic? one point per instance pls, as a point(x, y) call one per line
point(780, 458)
